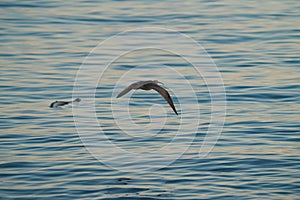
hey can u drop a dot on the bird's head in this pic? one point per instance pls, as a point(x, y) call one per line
point(156, 81)
point(77, 100)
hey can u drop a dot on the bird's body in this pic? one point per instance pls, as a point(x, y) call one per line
point(150, 85)
point(62, 103)
point(58, 103)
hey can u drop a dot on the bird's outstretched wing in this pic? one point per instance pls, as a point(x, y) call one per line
point(165, 94)
point(125, 91)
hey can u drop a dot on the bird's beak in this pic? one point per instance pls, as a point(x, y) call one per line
point(160, 82)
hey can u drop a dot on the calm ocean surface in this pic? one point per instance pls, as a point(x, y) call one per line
point(255, 45)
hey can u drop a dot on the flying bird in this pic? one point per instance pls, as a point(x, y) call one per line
point(150, 85)
point(62, 103)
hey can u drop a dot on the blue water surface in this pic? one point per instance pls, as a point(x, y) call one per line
point(256, 48)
